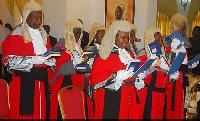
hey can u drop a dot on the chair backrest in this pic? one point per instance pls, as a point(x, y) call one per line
point(71, 101)
point(4, 102)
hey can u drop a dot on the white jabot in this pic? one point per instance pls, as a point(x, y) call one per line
point(38, 42)
point(124, 56)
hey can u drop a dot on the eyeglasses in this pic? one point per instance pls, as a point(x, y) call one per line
point(123, 37)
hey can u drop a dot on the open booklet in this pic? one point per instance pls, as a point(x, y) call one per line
point(86, 55)
point(53, 52)
point(177, 35)
point(154, 48)
point(195, 59)
point(143, 68)
point(177, 63)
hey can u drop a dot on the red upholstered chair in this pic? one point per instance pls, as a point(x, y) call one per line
point(71, 101)
point(4, 103)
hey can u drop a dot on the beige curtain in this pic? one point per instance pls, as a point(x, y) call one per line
point(194, 15)
point(21, 3)
point(165, 10)
point(16, 9)
point(10, 5)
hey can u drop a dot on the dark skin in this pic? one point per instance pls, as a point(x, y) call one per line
point(99, 36)
point(118, 13)
point(34, 19)
point(159, 38)
point(122, 39)
point(77, 33)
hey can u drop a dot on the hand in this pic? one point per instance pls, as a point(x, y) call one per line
point(38, 60)
point(153, 56)
point(163, 64)
point(123, 74)
point(174, 76)
point(90, 62)
point(194, 65)
point(139, 84)
point(77, 60)
point(141, 75)
point(50, 62)
point(174, 44)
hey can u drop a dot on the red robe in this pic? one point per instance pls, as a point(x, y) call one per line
point(176, 98)
point(77, 79)
point(155, 95)
point(15, 45)
point(125, 96)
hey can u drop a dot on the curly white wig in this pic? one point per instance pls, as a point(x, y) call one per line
point(108, 40)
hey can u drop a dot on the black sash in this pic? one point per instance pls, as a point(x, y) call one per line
point(28, 87)
point(150, 89)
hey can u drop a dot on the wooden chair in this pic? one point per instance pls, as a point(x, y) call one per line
point(71, 101)
point(4, 102)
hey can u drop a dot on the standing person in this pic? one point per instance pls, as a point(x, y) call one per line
point(29, 94)
point(194, 50)
point(65, 71)
point(96, 34)
point(112, 99)
point(4, 32)
point(85, 38)
point(53, 40)
point(176, 88)
point(153, 96)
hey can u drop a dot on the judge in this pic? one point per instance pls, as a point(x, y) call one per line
point(114, 98)
point(29, 94)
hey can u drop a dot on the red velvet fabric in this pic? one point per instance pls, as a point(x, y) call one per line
point(78, 80)
point(15, 45)
point(102, 70)
point(4, 99)
point(72, 103)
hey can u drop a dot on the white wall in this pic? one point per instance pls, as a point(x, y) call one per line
point(55, 16)
point(57, 12)
point(89, 11)
point(145, 17)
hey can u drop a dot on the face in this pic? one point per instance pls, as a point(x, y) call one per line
point(118, 13)
point(77, 33)
point(182, 30)
point(34, 19)
point(122, 39)
point(159, 38)
point(99, 36)
point(132, 37)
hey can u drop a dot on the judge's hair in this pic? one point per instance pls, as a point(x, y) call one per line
point(177, 21)
point(28, 8)
point(69, 37)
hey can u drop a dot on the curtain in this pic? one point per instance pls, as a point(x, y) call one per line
point(165, 10)
point(10, 5)
point(16, 9)
point(193, 15)
point(21, 3)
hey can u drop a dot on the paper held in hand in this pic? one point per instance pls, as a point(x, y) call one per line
point(133, 65)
